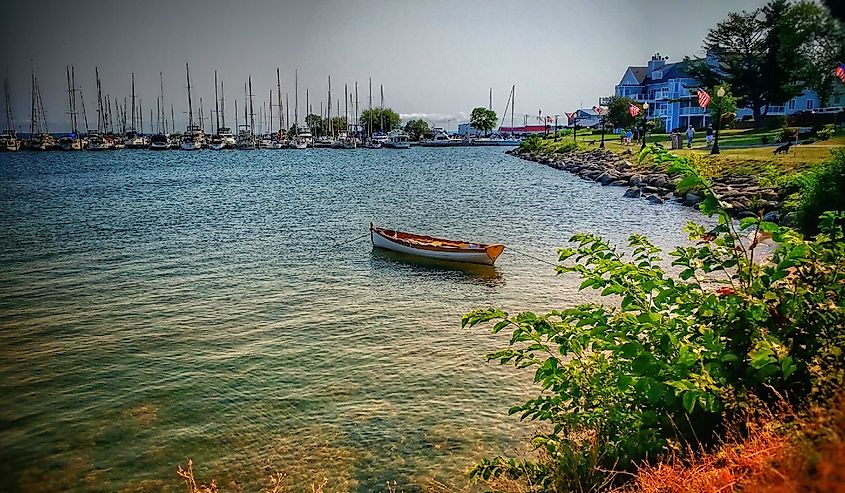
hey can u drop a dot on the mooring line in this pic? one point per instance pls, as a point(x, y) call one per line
point(353, 240)
point(530, 256)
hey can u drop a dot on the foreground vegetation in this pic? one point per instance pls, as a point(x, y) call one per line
point(669, 362)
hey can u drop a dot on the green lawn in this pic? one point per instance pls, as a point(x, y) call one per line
point(731, 160)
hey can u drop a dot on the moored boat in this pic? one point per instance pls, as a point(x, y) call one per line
point(397, 139)
point(438, 248)
point(159, 142)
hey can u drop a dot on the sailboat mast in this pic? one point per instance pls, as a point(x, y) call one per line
point(223, 105)
point(490, 106)
point(10, 117)
point(100, 116)
point(236, 112)
point(202, 117)
point(370, 112)
point(287, 109)
point(140, 118)
point(251, 108)
point(132, 126)
point(69, 100)
point(246, 126)
point(329, 108)
point(190, 105)
point(172, 119)
point(296, 101)
point(158, 115)
point(270, 114)
point(356, 109)
point(513, 103)
point(161, 94)
point(33, 116)
point(73, 99)
point(346, 105)
point(279, 100)
point(216, 102)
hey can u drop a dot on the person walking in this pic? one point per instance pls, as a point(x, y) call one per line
point(690, 135)
point(636, 135)
point(709, 135)
point(628, 136)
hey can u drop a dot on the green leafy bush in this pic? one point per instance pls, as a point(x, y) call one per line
point(825, 133)
point(788, 134)
point(666, 359)
point(533, 143)
point(822, 189)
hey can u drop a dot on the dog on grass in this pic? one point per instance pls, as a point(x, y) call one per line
point(784, 149)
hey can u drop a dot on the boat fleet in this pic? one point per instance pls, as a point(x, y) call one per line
point(128, 133)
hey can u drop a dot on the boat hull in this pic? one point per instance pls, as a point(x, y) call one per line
point(486, 255)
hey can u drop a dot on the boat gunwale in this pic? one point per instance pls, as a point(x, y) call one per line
point(448, 246)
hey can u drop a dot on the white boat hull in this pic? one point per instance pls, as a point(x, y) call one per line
point(473, 257)
point(190, 146)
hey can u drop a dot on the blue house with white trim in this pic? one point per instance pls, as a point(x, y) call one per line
point(670, 93)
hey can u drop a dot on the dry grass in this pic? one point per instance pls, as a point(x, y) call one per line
point(779, 453)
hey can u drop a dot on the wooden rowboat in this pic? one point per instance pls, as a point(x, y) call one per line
point(438, 248)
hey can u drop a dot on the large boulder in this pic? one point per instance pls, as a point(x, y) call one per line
point(654, 199)
point(693, 199)
point(632, 193)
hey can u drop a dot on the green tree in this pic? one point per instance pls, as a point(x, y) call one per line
point(823, 46)
point(381, 119)
point(417, 129)
point(618, 114)
point(483, 119)
point(315, 123)
point(723, 107)
point(338, 124)
point(771, 54)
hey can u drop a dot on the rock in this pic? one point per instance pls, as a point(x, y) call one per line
point(635, 180)
point(654, 199)
point(632, 193)
point(692, 199)
point(744, 214)
point(790, 218)
point(620, 183)
point(772, 217)
point(650, 189)
point(605, 179)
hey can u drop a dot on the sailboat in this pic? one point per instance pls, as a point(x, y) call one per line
point(191, 140)
point(159, 141)
point(72, 141)
point(134, 140)
point(96, 140)
point(9, 138)
point(39, 137)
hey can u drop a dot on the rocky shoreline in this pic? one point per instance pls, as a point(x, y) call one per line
point(743, 194)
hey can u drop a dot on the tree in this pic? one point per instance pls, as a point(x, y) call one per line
point(722, 107)
point(382, 120)
point(417, 129)
point(618, 113)
point(483, 119)
point(823, 46)
point(315, 123)
point(771, 54)
point(339, 124)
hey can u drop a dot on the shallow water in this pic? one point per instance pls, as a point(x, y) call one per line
point(160, 306)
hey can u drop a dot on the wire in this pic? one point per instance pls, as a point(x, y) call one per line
point(346, 242)
point(532, 257)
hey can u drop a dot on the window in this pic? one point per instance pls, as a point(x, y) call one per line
point(809, 104)
point(837, 99)
point(792, 104)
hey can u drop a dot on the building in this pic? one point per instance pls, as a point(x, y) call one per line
point(586, 118)
point(671, 95)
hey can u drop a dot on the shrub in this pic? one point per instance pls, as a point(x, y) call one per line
point(765, 139)
point(532, 143)
point(564, 146)
point(788, 134)
point(825, 133)
point(774, 122)
point(822, 189)
point(679, 354)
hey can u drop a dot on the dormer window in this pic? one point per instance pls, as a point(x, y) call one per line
point(657, 75)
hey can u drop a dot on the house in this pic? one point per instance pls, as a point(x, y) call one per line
point(586, 118)
point(671, 95)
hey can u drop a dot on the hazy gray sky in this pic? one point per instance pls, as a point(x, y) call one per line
point(436, 59)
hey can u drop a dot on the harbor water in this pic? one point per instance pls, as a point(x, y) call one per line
point(223, 306)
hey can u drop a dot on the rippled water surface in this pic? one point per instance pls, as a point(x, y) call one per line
point(160, 306)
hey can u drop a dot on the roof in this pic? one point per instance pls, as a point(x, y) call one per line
point(639, 72)
point(670, 71)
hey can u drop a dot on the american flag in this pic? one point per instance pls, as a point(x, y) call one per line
point(633, 110)
point(598, 109)
point(703, 98)
point(840, 71)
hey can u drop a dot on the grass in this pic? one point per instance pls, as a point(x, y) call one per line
point(731, 160)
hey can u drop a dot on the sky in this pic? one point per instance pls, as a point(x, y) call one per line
point(435, 59)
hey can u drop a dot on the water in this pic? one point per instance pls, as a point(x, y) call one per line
point(160, 306)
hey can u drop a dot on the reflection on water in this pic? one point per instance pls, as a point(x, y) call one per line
point(160, 306)
point(416, 265)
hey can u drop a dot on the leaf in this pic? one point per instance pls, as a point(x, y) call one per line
point(689, 399)
point(623, 382)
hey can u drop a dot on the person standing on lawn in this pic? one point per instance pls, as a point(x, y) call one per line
point(690, 135)
point(709, 135)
